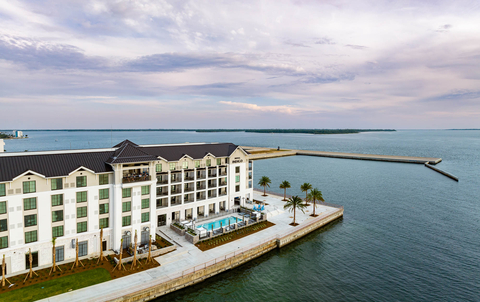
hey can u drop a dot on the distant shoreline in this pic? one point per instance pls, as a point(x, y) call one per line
point(302, 131)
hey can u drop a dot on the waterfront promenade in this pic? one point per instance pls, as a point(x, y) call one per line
point(188, 259)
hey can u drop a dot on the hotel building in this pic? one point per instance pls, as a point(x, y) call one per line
point(72, 194)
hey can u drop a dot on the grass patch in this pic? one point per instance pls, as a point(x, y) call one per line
point(57, 286)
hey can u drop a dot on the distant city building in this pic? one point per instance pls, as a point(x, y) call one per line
point(17, 133)
point(72, 194)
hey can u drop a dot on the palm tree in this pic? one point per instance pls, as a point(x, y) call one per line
point(295, 203)
point(305, 187)
point(264, 182)
point(285, 185)
point(315, 195)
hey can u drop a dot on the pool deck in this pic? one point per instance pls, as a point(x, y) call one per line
point(188, 256)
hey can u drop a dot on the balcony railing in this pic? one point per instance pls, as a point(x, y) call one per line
point(200, 197)
point(162, 193)
point(176, 179)
point(189, 178)
point(212, 185)
point(136, 178)
point(162, 180)
point(222, 173)
point(212, 175)
point(175, 202)
point(201, 176)
point(188, 189)
point(222, 193)
point(188, 200)
point(223, 183)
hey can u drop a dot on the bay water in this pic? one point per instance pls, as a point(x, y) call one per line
point(408, 233)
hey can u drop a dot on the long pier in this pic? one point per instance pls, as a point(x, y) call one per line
point(264, 153)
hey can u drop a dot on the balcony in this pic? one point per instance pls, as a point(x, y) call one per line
point(201, 175)
point(200, 197)
point(162, 180)
point(222, 172)
point(222, 183)
point(175, 201)
point(175, 190)
point(136, 178)
point(189, 189)
point(163, 192)
point(188, 198)
point(222, 192)
point(176, 178)
point(189, 176)
point(212, 184)
point(212, 194)
point(162, 203)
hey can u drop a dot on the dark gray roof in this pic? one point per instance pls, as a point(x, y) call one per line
point(58, 165)
point(53, 165)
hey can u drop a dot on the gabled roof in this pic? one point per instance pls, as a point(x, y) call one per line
point(129, 152)
point(121, 144)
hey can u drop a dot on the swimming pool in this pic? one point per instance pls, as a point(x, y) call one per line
point(216, 224)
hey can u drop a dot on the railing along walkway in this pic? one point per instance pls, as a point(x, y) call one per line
point(290, 196)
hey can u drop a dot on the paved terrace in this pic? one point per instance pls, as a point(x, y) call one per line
point(187, 257)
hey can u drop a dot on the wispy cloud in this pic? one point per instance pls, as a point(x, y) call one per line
point(254, 107)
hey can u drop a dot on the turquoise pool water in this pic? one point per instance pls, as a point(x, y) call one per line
point(216, 224)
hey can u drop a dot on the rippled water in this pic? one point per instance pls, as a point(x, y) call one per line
point(408, 233)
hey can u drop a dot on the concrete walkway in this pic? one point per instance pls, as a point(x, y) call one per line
point(185, 258)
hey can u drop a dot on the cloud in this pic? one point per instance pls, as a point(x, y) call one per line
point(444, 28)
point(269, 109)
point(358, 47)
point(323, 41)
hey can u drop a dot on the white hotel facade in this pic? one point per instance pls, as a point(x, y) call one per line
point(72, 194)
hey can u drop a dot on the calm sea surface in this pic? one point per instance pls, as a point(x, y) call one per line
point(408, 233)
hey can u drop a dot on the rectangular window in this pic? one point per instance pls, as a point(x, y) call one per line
point(30, 236)
point(158, 168)
point(126, 221)
point(103, 179)
point(82, 248)
point(81, 181)
point(145, 203)
point(34, 260)
point(237, 178)
point(3, 191)
point(29, 203)
point(145, 190)
point(209, 162)
point(145, 217)
point(103, 223)
point(81, 227)
point(126, 206)
point(81, 212)
point(59, 253)
point(185, 165)
point(57, 184)
point(197, 164)
point(29, 187)
point(57, 216)
point(104, 193)
point(219, 161)
point(3, 242)
point(3, 225)
point(237, 188)
point(57, 231)
point(172, 166)
point(30, 220)
point(237, 169)
point(81, 197)
point(103, 208)
point(127, 192)
point(3, 207)
point(57, 200)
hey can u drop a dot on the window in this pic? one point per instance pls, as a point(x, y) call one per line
point(57, 184)
point(59, 253)
point(103, 223)
point(82, 248)
point(30, 220)
point(237, 169)
point(3, 207)
point(57, 231)
point(103, 208)
point(3, 225)
point(237, 178)
point(197, 164)
point(237, 188)
point(81, 197)
point(185, 165)
point(103, 193)
point(172, 166)
point(145, 203)
point(34, 260)
point(57, 216)
point(209, 162)
point(158, 168)
point(126, 206)
point(81, 212)
point(29, 187)
point(30, 236)
point(30, 203)
point(103, 179)
point(145, 190)
point(2, 190)
point(127, 192)
point(126, 220)
point(145, 217)
point(57, 200)
point(3, 242)
point(219, 161)
point(145, 237)
point(81, 181)
point(81, 227)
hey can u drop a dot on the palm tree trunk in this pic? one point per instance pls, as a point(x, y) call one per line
point(284, 194)
point(314, 206)
point(264, 188)
point(306, 197)
point(294, 215)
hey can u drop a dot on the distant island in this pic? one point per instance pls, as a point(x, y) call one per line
point(304, 131)
point(6, 136)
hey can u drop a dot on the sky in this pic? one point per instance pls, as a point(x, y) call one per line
point(239, 64)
